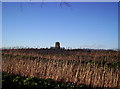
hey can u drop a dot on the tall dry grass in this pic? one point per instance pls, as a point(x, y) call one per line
point(91, 74)
point(78, 54)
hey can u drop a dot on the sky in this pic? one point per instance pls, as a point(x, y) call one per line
point(0, 24)
point(74, 25)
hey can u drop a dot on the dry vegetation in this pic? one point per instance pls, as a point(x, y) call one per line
point(96, 68)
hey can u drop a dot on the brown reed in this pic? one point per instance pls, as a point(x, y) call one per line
point(91, 74)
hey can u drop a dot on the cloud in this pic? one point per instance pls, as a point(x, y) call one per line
point(94, 46)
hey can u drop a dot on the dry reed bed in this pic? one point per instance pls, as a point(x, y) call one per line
point(83, 55)
point(65, 71)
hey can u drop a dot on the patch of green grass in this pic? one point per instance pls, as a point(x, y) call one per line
point(19, 82)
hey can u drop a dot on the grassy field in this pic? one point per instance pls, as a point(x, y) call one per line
point(18, 82)
point(93, 68)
